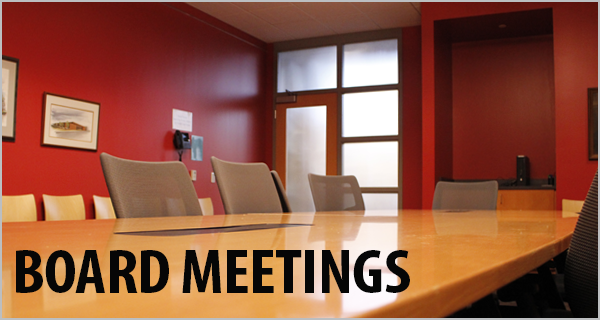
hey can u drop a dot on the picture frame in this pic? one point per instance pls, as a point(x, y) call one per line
point(70, 122)
point(10, 77)
point(593, 123)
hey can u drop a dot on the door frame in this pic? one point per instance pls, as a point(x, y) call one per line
point(327, 99)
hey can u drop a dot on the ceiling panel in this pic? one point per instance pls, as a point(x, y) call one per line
point(278, 15)
point(358, 23)
point(324, 10)
point(305, 29)
point(252, 6)
point(281, 21)
point(217, 9)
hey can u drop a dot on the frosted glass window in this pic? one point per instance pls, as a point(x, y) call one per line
point(306, 141)
point(370, 114)
point(370, 63)
point(381, 201)
point(375, 164)
point(310, 69)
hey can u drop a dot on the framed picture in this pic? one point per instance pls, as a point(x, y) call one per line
point(10, 75)
point(593, 123)
point(70, 123)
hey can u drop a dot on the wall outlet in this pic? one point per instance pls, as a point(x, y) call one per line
point(212, 177)
point(193, 175)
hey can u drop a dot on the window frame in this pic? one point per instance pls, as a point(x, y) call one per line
point(339, 41)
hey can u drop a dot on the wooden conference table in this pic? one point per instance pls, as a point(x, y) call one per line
point(454, 258)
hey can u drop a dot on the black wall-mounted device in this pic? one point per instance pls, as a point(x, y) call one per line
point(181, 140)
point(522, 171)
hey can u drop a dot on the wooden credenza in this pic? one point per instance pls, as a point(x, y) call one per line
point(526, 199)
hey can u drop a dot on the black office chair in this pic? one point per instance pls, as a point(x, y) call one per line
point(581, 267)
point(149, 189)
point(537, 294)
point(285, 203)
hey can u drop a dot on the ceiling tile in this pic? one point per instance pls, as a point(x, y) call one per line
point(305, 29)
point(253, 6)
point(268, 33)
point(387, 20)
point(378, 7)
point(243, 20)
point(280, 21)
point(275, 15)
point(343, 25)
point(217, 9)
point(328, 9)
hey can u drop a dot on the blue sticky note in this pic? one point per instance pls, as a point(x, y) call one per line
point(197, 144)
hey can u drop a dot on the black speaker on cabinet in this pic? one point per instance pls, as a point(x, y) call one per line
point(522, 171)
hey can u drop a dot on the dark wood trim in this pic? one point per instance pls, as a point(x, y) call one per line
point(379, 190)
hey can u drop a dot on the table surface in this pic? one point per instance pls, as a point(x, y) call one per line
point(454, 258)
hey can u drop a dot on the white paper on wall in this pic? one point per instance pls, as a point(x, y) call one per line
point(182, 120)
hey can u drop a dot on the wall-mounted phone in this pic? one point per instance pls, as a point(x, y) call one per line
point(181, 141)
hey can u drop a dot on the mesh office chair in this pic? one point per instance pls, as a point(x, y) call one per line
point(285, 203)
point(581, 267)
point(335, 193)
point(149, 189)
point(580, 273)
point(246, 187)
point(465, 195)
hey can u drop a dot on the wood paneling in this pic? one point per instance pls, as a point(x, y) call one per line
point(526, 200)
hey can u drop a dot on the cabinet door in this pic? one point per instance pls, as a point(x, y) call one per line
point(526, 200)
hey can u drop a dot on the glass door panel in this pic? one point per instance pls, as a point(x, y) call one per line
point(306, 138)
point(305, 142)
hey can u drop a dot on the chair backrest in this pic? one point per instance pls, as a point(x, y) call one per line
point(465, 195)
point(207, 206)
point(335, 193)
point(572, 205)
point(149, 189)
point(246, 187)
point(19, 208)
point(581, 266)
point(63, 207)
point(285, 203)
point(103, 208)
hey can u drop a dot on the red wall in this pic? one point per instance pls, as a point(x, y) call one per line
point(575, 70)
point(411, 118)
point(443, 113)
point(503, 106)
point(139, 61)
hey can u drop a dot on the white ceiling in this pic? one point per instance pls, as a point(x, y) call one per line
point(281, 21)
